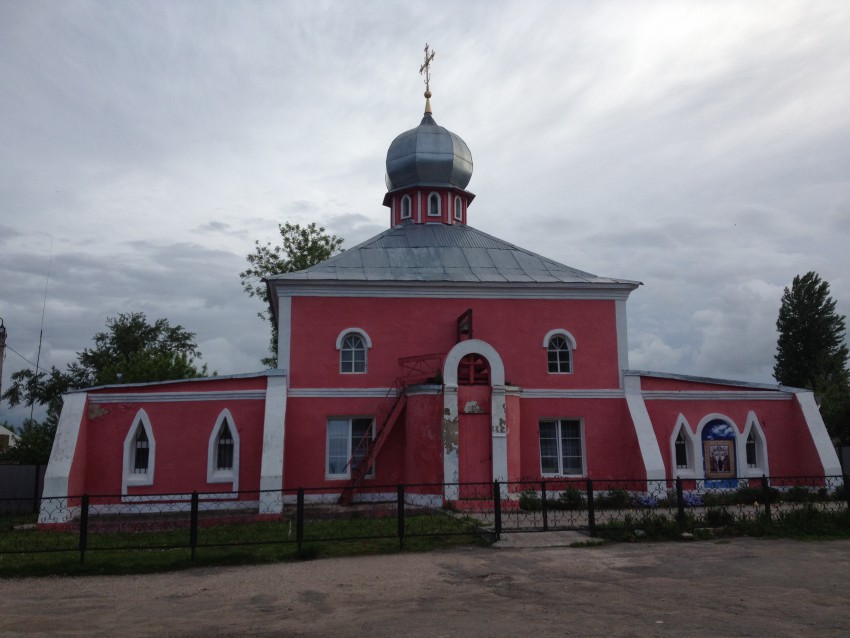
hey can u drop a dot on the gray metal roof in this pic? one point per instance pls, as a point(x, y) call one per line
point(443, 253)
point(428, 155)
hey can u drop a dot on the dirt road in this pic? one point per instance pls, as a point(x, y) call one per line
point(743, 587)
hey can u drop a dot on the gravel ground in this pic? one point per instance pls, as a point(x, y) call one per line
point(742, 587)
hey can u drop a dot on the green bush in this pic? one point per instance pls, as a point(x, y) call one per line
point(614, 500)
point(530, 501)
point(718, 517)
point(570, 499)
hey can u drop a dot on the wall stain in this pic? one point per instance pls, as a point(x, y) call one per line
point(96, 410)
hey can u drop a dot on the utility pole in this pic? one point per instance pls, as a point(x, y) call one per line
point(2, 351)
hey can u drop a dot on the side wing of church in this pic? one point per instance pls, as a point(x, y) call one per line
point(436, 356)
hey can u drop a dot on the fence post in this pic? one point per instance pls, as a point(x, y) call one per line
point(193, 524)
point(847, 491)
point(299, 518)
point(680, 504)
point(497, 509)
point(400, 492)
point(765, 495)
point(84, 527)
point(591, 514)
point(545, 506)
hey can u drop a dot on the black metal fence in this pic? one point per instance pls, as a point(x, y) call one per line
point(399, 513)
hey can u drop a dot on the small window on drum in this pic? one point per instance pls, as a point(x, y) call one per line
point(433, 205)
point(458, 209)
point(405, 207)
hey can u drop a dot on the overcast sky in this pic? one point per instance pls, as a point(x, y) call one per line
point(702, 148)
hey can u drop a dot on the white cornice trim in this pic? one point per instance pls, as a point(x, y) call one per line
point(354, 393)
point(715, 395)
point(451, 290)
point(178, 397)
point(548, 393)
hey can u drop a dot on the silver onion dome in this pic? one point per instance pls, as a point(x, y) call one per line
point(428, 155)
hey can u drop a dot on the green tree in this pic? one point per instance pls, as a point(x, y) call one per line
point(130, 350)
point(812, 352)
point(300, 248)
point(35, 440)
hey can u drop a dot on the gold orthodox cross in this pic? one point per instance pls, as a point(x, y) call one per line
point(425, 69)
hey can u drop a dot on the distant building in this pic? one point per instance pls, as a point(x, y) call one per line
point(7, 439)
point(433, 354)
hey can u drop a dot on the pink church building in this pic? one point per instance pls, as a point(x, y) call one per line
point(432, 355)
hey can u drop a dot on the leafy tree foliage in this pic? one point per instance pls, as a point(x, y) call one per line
point(300, 248)
point(130, 350)
point(812, 352)
point(35, 440)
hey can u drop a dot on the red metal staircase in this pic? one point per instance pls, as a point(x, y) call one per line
point(368, 448)
point(415, 370)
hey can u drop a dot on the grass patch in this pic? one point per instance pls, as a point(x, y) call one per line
point(33, 552)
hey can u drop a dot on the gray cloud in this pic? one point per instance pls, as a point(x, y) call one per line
point(700, 148)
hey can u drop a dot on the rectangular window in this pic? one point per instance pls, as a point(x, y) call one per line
point(561, 447)
point(346, 445)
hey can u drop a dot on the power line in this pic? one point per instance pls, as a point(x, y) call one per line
point(20, 355)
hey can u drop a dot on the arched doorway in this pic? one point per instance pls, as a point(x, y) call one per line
point(475, 451)
point(474, 396)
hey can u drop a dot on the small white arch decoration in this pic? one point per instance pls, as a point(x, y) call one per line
point(214, 473)
point(131, 478)
point(358, 331)
point(476, 346)
point(564, 333)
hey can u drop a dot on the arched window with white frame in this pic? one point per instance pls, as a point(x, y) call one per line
point(458, 208)
point(434, 205)
point(353, 345)
point(405, 207)
point(139, 453)
point(559, 345)
point(223, 451)
point(683, 450)
point(753, 448)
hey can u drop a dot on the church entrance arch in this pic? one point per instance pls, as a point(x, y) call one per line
point(474, 433)
point(475, 450)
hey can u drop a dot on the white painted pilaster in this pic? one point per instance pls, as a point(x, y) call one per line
point(54, 504)
point(499, 420)
point(622, 337)
point(450, 442)
point(817, 430)
point(274, 429)
point(284, 332)
point(648, 443)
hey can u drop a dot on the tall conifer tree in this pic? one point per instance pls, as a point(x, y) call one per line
point(812, 351)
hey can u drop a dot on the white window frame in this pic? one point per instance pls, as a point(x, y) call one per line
point(367, 345)
point(131, 478)
point(761, 467)
point(682, 427)
point(439, 212)
point(346, 421)
point(458, 208)
point(571, 343)
point(559, 439)
point(406, 199)
point(214, 473)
